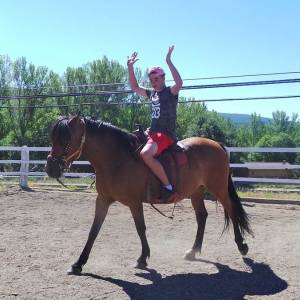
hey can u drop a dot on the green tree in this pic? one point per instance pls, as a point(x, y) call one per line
point(281, 122)
point(188, 117)
point(5, 83)
point(279, 140)
point(211, 125)
point(26, 80)
point(257, 128)
point(250, 134)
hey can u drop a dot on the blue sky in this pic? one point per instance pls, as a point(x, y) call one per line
point(211, 38)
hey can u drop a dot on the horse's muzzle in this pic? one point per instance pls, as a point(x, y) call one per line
point(54, 167)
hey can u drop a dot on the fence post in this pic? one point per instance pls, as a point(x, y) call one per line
point(24, 167)
point(228, 153)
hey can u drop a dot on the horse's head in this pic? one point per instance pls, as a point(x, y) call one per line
point(67, 138)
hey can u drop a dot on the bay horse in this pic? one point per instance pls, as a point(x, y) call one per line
point(122, 176)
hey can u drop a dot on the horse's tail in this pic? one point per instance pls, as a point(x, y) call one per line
point(240, 214)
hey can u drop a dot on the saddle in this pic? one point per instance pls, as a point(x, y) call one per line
point(172, 159)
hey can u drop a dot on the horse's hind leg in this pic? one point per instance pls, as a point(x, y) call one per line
point(201, 215)
point(243, 247)
point(139, 221)
point(233, 213)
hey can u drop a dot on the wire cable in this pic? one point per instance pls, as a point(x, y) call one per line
point(169, 80)
point(149, 103)
point(191, 87)
point(240, 76)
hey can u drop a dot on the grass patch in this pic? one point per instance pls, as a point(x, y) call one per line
point(270, 195)
point(284, 192)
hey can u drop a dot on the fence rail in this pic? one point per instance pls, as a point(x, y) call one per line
point(25, 162)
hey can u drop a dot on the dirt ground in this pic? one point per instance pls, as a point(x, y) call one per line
point(42, 233)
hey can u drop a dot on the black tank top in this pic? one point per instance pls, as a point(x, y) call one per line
point(163, 105)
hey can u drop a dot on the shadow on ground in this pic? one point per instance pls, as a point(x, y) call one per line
point(226, 284)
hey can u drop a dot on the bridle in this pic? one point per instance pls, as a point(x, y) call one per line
point(67, 160)
point(74, 156)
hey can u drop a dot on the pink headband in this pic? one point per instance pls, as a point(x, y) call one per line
point(156, 71)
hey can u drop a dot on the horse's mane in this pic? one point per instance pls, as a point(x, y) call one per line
point(125, 139)
point(61, 131)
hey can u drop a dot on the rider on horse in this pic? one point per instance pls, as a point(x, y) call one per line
point(162, 132)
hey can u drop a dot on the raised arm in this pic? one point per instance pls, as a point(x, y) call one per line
point(132, 79)
point(176, 76)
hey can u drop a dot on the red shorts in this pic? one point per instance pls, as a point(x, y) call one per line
point(162, 141)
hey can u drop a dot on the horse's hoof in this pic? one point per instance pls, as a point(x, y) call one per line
point(189, 255)
point(75, 270)
point(140, 265)
point(244, 249)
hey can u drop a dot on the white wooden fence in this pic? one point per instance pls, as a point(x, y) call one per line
point(25, 163)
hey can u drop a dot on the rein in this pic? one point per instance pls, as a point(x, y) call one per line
point(60, 182)
point(65, 186)
point(169, 217)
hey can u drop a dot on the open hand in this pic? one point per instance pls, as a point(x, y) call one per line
point(168, 57)
point(132, 59)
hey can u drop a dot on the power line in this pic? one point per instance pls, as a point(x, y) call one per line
point(74, 86)
point(149, 103)
point(244, 99)
point(191, 87)
point(186, 79)
point(237, 84)
point(240, 76)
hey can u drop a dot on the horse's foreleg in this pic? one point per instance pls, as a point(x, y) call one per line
point(139, 221)
point(100, 214)
point(201, 216)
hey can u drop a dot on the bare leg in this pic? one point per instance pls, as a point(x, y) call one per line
point(139, 220)
point(147, 154)
point(100, 214)
point(201, 216)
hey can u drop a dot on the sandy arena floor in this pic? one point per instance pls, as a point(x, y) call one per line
point(42, 233)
